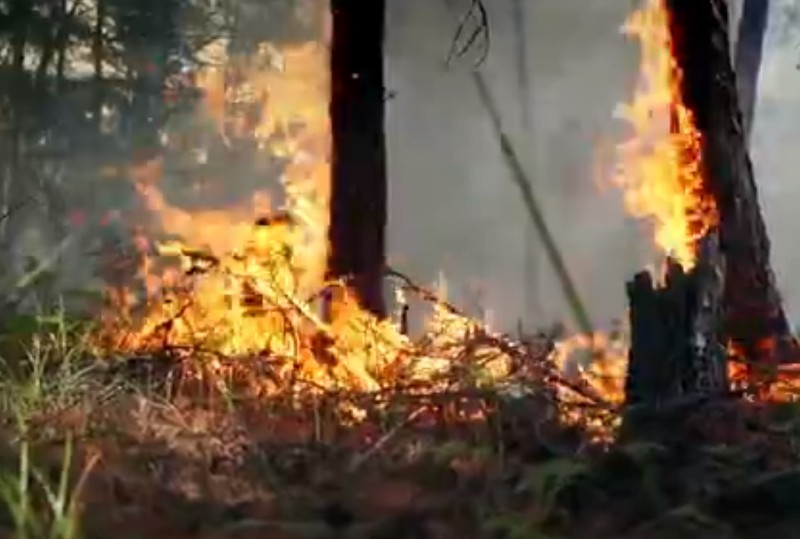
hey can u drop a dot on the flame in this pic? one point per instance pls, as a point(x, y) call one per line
point(659, 168)
point(659, 171)
point(762, 381)
point(249, 280)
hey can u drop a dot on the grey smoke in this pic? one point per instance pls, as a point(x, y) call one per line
point(453, 207)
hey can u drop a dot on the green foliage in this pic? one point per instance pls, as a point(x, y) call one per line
point(45, 366)
point(643, 452)
point(546, 481)
point(40, 508)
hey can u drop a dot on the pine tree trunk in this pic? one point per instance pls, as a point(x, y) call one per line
point(754, 317)
point(359, 184)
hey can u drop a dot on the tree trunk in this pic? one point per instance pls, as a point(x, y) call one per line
point(63, 35)
point(676, 331)
point(359, 184)
point(754, 318)
point(675, 360)
point(19, 22)
point(98, 44)
point(749, 49)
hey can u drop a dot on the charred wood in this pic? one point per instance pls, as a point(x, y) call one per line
point(676, 331)
point(359, 190)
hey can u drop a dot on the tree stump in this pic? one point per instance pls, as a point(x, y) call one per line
point(676, 332)
point(676, 359)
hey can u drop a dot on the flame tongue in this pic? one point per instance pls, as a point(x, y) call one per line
point(660, 169)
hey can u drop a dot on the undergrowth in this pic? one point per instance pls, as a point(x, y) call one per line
point(91, 449)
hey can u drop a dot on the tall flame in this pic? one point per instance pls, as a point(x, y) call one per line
point(660, 165)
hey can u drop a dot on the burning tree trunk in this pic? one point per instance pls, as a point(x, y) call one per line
point(754, 317)
point(679, 329)
point(359, 190)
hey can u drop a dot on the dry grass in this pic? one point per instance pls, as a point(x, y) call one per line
point(146, 448)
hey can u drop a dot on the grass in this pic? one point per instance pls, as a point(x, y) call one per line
point(86, 452)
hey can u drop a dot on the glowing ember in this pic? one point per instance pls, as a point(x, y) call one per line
point(660, 165)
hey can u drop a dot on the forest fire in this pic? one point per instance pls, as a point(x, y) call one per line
point(249, 280)
point(208, 329)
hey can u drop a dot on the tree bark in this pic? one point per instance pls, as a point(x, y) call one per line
point(754, 318)
point(748, 53)
point(359, 184)
point(98, 49)
point(676, 331)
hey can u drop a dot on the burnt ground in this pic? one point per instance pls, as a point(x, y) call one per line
point(157, 456)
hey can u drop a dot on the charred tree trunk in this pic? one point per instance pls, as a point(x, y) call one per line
point(359, 185)
point(749, 50)
point(676, 332)
point(61, 44)
point(676, 359)
point(754, 318)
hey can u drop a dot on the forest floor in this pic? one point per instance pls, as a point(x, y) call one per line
point(98, 452)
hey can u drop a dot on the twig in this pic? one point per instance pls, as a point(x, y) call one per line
point(361, 458)
point(477, 14)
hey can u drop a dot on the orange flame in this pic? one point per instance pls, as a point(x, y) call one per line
point(660, 165)
point(249, 278)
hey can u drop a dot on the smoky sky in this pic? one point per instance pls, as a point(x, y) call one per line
point(453, 205)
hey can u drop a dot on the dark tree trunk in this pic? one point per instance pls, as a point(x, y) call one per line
point(63, 35)
point(98, 49)
point(359, 185)
point(749, 49)
point(676, 331)
point(19, 21)
point(676, 360)
point(754, 317)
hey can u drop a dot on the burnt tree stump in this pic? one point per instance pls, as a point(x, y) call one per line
point(676, 359)
point(676, 333)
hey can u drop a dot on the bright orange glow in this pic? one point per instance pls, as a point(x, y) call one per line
point(763, 381)
point(660, 164)
point(249, 280)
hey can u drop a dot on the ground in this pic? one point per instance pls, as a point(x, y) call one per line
point(142, 448)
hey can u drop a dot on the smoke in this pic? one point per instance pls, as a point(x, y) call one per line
point(453, 205)
point(453, 208)
point(775, 132)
